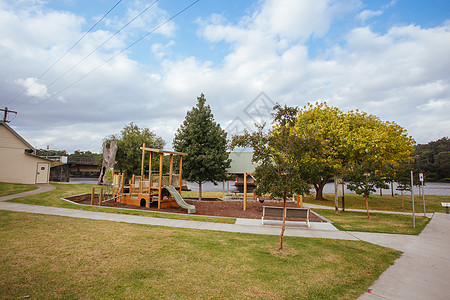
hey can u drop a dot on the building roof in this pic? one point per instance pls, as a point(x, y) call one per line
point(241, 162)
point(17, 135)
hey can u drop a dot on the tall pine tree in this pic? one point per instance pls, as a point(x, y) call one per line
point(205, 142)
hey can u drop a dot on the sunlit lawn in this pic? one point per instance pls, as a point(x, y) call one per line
point(55, 257)
point(386, 202)
point(384, 223)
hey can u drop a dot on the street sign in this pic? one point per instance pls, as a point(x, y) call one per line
point(421, 177)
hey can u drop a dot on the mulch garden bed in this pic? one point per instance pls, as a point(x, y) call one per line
point(209, 207)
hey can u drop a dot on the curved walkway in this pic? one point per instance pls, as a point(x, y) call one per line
point(41, 189)
point(423, 271)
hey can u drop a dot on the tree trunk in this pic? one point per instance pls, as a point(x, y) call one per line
point(381, 192)
point(109, 159)
point(319, 188)
point(367, 206)
point(283, 226)
point(199, 191)
point(392, 188)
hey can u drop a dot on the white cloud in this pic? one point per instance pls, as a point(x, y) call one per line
point(161, 50)
point(33, 88)
point(401, 75)
point(367, 14)
point(144, 17)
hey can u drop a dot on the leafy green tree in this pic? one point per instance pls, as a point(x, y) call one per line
point(403, 177)
point(206, 144)
point(129, 141)
point(50, 152)
point(85, 156)
point(276, 153)
point(434, 159)
point(364, 180)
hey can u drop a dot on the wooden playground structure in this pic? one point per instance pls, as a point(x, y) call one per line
point(165, 189)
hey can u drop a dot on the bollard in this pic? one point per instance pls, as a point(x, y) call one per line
point(92, 196)
point(100, 197)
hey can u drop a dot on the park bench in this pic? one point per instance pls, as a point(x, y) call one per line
point(291, 212)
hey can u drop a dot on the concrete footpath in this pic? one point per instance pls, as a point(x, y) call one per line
point(423, 271)
point(41, 188)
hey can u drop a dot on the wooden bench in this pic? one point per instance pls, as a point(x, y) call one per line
point(291, 212)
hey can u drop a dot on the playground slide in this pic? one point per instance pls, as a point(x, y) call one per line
point(179, 199)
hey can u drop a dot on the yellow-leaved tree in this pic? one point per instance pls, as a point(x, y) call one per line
point(347, 140)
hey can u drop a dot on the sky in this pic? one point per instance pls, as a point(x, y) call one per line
point(73, 84)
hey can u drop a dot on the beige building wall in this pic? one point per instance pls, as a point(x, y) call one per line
point(15, 165)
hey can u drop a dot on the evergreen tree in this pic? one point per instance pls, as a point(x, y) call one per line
point(205, 142)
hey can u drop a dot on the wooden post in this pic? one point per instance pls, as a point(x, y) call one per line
point(161, 157)
point(245, 191)
point(123, 186)
point(336, 204)
point(100, 197)
point(150, 168)
point(181, 172)
point(170, 173)
point(133, 181)
point(143, 160)
point(92, 196)
point(170, 169)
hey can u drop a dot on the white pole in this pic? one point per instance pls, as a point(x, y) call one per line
point(412, 196)
point(423, 195)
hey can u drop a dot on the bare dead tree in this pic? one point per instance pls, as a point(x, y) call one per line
point(109, 159)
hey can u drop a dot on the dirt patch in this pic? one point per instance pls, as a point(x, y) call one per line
point(210, 207)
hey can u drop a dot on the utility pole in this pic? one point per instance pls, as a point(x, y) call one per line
point(5, 115)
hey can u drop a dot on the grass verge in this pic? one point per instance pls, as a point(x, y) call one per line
point(67, 258)
point(53, 198)
point(14, 188)
point(386, 202)
point(382, 223)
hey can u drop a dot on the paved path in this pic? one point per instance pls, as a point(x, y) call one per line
point(298, 229)
point(41, 189)
point(422, 272)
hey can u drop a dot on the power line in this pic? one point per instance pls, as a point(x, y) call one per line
point(92, 52)
point(117, 54)
point(59, 59)
point(5, 115)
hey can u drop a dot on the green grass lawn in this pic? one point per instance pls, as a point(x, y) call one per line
point(56, 257)
point(386, 202)
point(14, 188)
point(53, 198)
point(383, 223)
point(344, 221)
